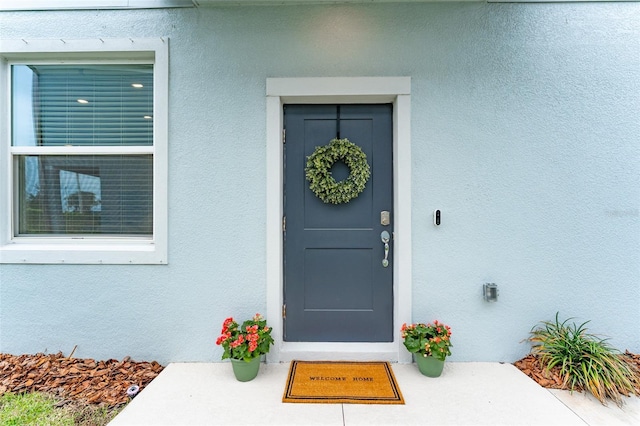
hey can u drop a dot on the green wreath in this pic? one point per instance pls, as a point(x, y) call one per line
point(318, 171)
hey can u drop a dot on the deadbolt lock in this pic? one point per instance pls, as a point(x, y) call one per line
point(385, 219)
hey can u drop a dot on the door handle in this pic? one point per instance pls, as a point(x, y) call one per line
point(384, 236)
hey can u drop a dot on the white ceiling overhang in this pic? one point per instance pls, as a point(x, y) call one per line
point(91, 4)
point(298, 2)
point(155, 4)
point(7, 5)
point(205, 3)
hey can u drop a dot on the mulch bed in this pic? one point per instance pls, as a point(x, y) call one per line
point(530, 365)
point(106, 382)
point(95, 382)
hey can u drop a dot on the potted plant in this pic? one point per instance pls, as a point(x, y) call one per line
point(431, 345)
point(244, 344)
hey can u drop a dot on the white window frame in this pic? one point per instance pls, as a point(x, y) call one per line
point(89, 250)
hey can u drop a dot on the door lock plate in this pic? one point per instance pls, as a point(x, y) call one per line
point(385, 218)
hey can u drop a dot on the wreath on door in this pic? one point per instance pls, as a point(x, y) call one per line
point(318, 171)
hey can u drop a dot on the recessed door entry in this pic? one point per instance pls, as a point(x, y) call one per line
point(338, 260)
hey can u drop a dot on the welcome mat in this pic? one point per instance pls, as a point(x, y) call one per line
point(342, 382)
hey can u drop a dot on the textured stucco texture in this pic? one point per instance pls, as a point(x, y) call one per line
point(525, 121)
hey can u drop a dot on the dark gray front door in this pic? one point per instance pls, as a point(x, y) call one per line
point(336, 288)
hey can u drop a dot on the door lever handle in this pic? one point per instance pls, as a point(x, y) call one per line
point(384, 236)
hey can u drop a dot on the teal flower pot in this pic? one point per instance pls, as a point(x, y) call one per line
point(246, 371)
point(429, 366)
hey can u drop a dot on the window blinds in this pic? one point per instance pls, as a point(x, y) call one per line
point(89, 105)
point(81, 106)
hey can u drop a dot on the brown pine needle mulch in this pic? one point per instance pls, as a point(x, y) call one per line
point(530, 365)
point(94, 382)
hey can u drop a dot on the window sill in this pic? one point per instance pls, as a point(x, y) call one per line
point(140, 252)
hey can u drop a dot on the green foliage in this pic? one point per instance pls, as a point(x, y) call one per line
point(44, 409)
point(585, 360)
point(318, 171)
point(29, 409)
point(248, 341)
point(428, 339)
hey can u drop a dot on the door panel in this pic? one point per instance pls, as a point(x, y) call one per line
point(342, 286)
point(336, 288)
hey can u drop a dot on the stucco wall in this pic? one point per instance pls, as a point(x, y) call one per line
point(525, 124)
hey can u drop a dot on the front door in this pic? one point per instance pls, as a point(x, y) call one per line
point(337, 287)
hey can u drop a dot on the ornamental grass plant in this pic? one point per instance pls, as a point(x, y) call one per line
point(585, 361)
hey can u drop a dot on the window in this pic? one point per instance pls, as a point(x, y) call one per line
point(85, 155)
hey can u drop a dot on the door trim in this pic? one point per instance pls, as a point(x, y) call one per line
point(396, 90)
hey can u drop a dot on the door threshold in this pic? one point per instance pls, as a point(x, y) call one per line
point(337, 351)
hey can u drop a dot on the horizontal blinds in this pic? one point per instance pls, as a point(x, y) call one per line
point(83, 105)
point(81, 195)
point(86, 194)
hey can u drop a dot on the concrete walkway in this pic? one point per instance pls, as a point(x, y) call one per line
point(465, 394)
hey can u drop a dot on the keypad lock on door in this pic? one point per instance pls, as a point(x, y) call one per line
point(385, 218)
point(384, 236)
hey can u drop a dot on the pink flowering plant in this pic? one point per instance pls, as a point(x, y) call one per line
point(433, 339)
point(246, 341)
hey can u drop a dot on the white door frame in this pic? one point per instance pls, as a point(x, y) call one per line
point(332, 90)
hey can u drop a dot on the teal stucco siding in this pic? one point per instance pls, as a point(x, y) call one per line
point(524, 133)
